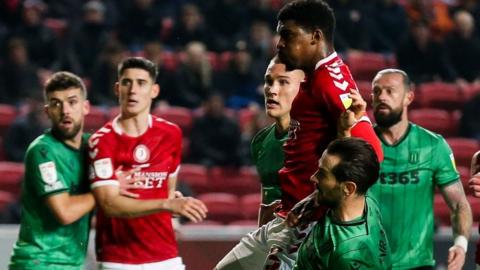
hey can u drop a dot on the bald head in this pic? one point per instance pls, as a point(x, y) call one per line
point(464, 23)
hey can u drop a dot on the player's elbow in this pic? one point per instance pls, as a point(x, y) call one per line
point(65, 217)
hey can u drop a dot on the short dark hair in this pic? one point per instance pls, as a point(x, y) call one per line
point(140, 63)
point(407, 82)
point(358, 162)
point(310, 14)
point(64, 80)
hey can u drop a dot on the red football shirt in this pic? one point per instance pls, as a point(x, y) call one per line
point(157, 152)
point(315, 111)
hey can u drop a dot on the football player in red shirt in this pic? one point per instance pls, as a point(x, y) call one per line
point(306, 30)
point(474, 184)
point(138, 232)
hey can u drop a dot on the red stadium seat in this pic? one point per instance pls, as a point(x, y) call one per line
point(8, 113)
point(441, 210)
point(224, 60)
point(463, 150)
point(365, 88)
point(178, 115)
point(246, 118)
point(169, 60)
point(2, 150)
point(464, 177)
point(113, 112)
point(196, 176)
point(95, 119)
point(250, 204)
point(365, 65)
point(439, 95)
point(222, 207)
point(436, 120)
point(214, 60)
point(237, 181)
point(244, 222)
point(205, 223)
point(469, 91)
point(475, 206)
point(11, 176)
point(6, 198)
point(185, 148)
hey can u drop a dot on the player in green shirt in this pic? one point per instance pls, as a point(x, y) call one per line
point(350, 235)
point(280, 88)
point(55, 203)
point(416, 161)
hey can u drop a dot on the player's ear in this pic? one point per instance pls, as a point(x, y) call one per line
point(116, 89)
point(317, 36)
point(349, 188)
point(409, 97)
point(86, 107)
point(155, 90)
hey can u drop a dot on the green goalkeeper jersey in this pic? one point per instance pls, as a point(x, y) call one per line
point(267, 154)
point(409, 173)
point(336, 245)
point(51, 167)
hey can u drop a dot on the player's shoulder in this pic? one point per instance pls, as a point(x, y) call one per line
point(334, 74)
point(104, 134)
point(44, 140)
point(425, 134)
point(262, 134)
point(162, 125)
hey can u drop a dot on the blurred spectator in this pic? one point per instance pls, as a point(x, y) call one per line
point(464, 47)
point(40, 40)
point(238, 83)
point(353, 24)
point(263, 10)
point(228, 20)
point(423, 58)
point(391, 26)
point(193, 78)
point(434, 12)
point(105, 75)
point(472, 6)
point(88, 39)
point(140, 23)
point(469, 123)
point(26, 128)
point(259, 46)
point(153, 52)
point(18, 77)
point(215, 138)
point(190, 27)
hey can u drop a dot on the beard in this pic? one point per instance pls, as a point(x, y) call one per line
point(389, 119)
point(64, 134)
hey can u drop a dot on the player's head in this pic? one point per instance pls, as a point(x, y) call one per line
point(306, 29)
point(66, 103)
point(280, 88)
point(392, 92)
point(136, 87)
point(347, 168)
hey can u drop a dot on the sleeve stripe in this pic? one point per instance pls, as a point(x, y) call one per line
point(104, 183)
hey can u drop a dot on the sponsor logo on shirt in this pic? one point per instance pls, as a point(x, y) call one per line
point(103, 168)
point(48, 171)
point(141, 153)
point(151, 179)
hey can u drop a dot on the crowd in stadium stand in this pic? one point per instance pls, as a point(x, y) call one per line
point(212, 55)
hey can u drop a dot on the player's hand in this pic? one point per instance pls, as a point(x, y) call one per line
point(456, 258)
point(266, 212)
point(126, 180)
point(302, 212)
point(474, 185)
point(359, 105)
point(191, 208)
point(352, 115)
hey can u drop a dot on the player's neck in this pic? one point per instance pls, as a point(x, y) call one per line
point(350, 208)
point(75, 142)
point(282, 124)
point(395, 133)
point(134, 126)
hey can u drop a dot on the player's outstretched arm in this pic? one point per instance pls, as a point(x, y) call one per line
point(69, 208)
point(116, 205)
point(461, 217)
point(474, 182)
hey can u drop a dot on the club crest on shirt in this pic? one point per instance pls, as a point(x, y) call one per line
point(103, 168)
point(141, 153)
point(413, 157)
point(48, 171)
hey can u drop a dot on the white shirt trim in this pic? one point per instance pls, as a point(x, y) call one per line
point(110, 182)
point(119, 130)
point(326, 60)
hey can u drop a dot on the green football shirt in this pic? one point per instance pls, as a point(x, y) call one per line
point(409, 173)
point(336, 245)
point(51, 167)
point(267, 154)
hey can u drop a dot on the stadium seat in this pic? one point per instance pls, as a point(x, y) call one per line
point(475, 206)
point(222, 207)
point(8, 113)
point(2, 150)
point(439, 95)
point(244, 222)
point(469, 91)
point(233, 180)
point(11, 176)
point(113, 112)
point(365, 65)
point(436, 120)
point(6, 198)
point(463, 150)
point(464, 177)
point(250, 204)
point(178, 115)
point(196, 176)
point(95, 119)
point(214, 60)
point(365, 88)
point(203, 223)
point(246, 118)
point(441, 211)
point(224, 60)
point(169, 60)
point(185, 148)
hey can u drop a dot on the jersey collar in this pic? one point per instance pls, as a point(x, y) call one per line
point(119, 130)
point(326, 60)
